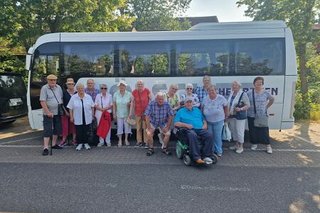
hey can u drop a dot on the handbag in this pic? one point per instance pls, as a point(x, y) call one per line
point(226, 133)
point(241, 115)
point(61, 109)
point(259, 121)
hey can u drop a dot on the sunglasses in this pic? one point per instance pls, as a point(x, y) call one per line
point(103, 88)
point(70, 84)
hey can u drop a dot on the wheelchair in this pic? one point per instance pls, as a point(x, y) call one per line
point(182, 148)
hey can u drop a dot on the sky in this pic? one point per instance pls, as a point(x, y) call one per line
point(225, 10)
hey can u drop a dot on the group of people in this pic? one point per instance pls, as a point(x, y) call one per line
point(200, 112)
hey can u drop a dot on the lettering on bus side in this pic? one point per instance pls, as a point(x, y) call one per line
point(226, 91)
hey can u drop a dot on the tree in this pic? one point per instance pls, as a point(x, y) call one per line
point(158, 14)
point(300, 16)
point(28, 19)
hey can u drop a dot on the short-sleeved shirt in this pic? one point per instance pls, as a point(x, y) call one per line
point(92, 93)
point(141, 101)
point(122, 102)
point(103, 101)
point(159, 114)
point(201, 93)
point(193, 117)
point(46, 94)
point(261, 101)
point(76, 105)
point(173, 101)
point(213, 110)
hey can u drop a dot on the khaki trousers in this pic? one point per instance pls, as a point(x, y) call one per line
point(141, 127)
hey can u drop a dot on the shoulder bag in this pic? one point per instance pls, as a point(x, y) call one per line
point(60, 106)
point(241, 115)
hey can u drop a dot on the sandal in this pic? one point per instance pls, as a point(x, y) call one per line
point(150, 152)
point(166, 151)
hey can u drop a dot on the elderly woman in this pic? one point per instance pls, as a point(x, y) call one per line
point(238, 102)
point(121, 108)
point(67, 127)
point(215, 110)
point(81, 114)
point(141, 98)
point(189, 94)
point(260, 101)
point(103, 103)
point(172, 97)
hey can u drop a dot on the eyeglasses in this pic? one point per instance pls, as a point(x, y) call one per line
point(190, 88)
point(103, 88)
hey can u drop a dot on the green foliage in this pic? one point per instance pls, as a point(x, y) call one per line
point(302, 107)
point(25, 20)
point(158, 14)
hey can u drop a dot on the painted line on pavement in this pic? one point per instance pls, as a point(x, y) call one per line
point(214, 188)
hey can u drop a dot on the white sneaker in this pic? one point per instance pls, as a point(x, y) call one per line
point(119, 143)
point(160, 140)
point(108, 144)
point(86, 146)
point(269, 149)
point(79, 147)
point(127, 143)
point(254, 147)
point(208, 160)
point(239, 150)
point(100, 144)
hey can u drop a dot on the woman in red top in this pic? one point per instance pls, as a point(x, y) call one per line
point(141, 98)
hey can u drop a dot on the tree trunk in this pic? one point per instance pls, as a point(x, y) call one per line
point(303, 70)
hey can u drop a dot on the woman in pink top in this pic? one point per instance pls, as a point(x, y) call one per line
point(141, 98)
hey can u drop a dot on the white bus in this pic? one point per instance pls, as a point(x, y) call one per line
point(225, 51)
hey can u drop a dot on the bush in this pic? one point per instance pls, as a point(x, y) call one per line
point(302, 108)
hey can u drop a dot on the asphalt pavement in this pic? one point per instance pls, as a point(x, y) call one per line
point(126, 180)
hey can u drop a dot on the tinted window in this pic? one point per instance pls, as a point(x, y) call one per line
point(259, 57)
point(95, 59)
point(144, 59)
point(203, 57)
point(231, 57)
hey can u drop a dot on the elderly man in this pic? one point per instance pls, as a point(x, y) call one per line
point(202, 91)
point(50, 97)
point(91, 90)
point(192, 122)
point(158, 115)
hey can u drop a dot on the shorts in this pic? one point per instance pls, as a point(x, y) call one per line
point(51, 126)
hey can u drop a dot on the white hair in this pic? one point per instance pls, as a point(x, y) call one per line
point(237, 82)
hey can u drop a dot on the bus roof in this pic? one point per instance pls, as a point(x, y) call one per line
point(271, 24)
point(202, 31)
